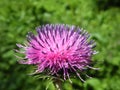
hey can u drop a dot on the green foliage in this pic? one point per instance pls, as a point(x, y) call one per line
point(19, 17)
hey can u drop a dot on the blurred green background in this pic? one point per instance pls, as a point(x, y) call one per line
point(101, 18)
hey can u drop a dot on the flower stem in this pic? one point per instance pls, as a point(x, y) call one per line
point(57, 84)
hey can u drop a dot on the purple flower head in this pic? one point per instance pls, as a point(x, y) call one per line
point(58, 50)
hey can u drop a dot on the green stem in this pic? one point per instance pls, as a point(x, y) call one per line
point(58, 84)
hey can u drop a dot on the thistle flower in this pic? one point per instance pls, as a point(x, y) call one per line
point(58, 50)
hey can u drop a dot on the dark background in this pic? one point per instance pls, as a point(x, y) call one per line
point(101, 18)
